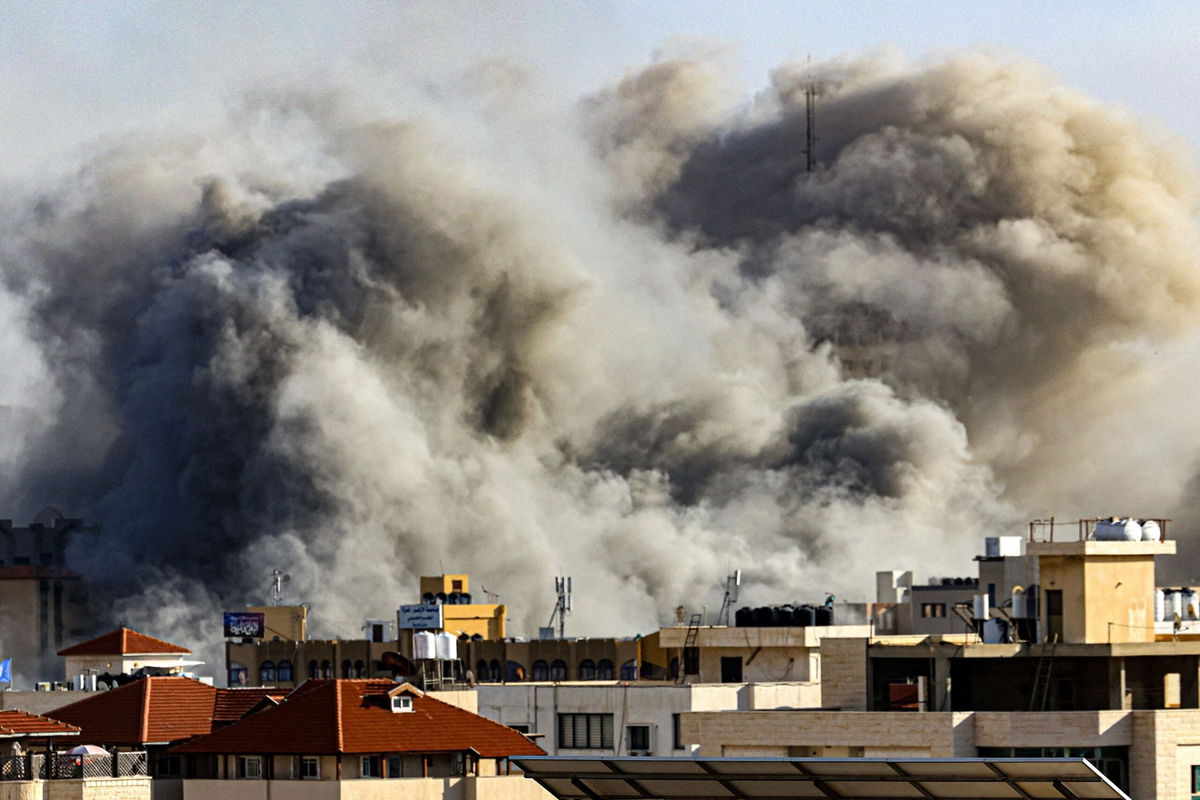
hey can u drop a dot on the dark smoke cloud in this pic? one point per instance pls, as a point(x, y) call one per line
point(360, 347)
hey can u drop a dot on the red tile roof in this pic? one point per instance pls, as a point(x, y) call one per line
point(123, 642)
point(327, 716)
point(153, 710)
point(233, 704)
point(15, 723)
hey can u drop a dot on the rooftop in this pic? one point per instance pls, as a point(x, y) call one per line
point(330, 716)
point(15, 724)
point(124, 642)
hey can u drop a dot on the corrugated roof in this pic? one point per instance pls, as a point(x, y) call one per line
point(15, 723)
point(330, 716)
point(123, 642)
point(152, 710)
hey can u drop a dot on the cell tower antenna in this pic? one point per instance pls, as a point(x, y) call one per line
point(562, 606)
point(810, 121)
point(278, 579)
point(732, 582)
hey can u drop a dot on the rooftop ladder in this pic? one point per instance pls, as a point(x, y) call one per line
point(691, 651)
point(1041, 678)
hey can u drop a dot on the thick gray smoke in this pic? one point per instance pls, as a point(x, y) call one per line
point(637, 343)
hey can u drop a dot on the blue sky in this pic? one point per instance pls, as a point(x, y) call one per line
point(71, 72)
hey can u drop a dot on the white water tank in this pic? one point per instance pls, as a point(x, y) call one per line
point(1160, 605)
point(1151, 531)
point(981, 606)
point(1118, 530)
point(1174, 604)
point(1190, 599)
point(424, 645)
point(1018, 603)
point(447, 646)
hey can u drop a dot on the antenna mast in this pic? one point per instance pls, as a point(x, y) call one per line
point(562, 607)
point(732, 582)
point(278, 579)
point(810, 120)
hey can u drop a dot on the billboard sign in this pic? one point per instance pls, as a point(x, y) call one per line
point(420, 617)
point(244, 624)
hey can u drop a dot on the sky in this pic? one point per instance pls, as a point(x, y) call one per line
point(74, 74)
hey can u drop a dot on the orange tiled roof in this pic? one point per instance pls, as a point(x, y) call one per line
point(153, 710)
point(233, 704)
point(15, 723)
point(123, 642)
point(328, 716)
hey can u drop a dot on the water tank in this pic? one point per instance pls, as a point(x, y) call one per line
point(743, 617)
point(1150, 531)
point(454, 598)
point(1018, 603)
point(824, 615)
point(1118, 530)
point(447, 646)
point(1174, 603)
point(424, 645)
point(762, 617)
point(465, 598)
point(1160, 605)
point(808, 616)
point(981, 607)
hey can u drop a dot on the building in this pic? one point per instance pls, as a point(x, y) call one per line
point(460, 615)
point(1087, 675)
point(358, 739)
point(619, 718)
point(121, 655)
point(42, 603)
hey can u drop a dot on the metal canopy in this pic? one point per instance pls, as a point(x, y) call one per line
point(600, 778)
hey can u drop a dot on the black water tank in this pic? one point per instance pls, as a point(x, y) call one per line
point(786, 617)
point(808, 616)
point(824, 615)
point(762, 617)
point(743, 618)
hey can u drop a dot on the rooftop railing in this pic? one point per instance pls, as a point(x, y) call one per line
point(60, 766)
point(1082, 530)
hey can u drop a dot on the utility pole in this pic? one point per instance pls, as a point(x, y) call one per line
point(562, 606)
point(732, 582)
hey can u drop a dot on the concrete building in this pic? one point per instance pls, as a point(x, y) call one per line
point(622, 719)
point(42, 603)
point(460, 615)
point(752, 654)
point(121, 655)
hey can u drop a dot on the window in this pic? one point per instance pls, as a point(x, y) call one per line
point(310, 768)
point(371, 767)
point(285, 672)
point(1196, 780)
point(520, 728)
point(516, 672)
point(676, 731)
point(313, 670)
point(326, 669)
point(587, 670)
point(347, 669)
point(731, 669)
point(238, 674)
point(629, 670)
point(495, 670)
point(395, 767)
point(456, 586)
point(541, 671)
point(360, 669)
point(266, 672)
point(401, 703)
point(166, 766)
point(558, 670)
point(585, 731)
point(249, 767)
point(933, 609)
point(637, 739)
point(604, 670)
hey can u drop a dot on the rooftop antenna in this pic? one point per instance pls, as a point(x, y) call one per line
point(278, 579)
point(810, 118)
point(562, 606)
point(732, 582)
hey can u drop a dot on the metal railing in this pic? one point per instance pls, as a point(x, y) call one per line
point(1042, 530)
point(60, 766)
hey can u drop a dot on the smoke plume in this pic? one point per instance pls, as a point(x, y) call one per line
point(635, 341)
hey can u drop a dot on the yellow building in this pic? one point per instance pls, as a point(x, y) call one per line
point(459, 614)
